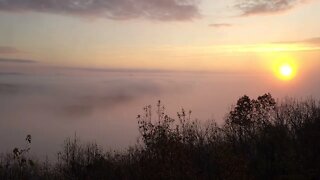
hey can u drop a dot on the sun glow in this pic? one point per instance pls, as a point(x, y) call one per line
point(285, 67)
point(286, 71)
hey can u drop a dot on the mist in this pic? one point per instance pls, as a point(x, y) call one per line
point(102, 105)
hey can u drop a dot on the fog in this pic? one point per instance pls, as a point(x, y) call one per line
point(102, 105)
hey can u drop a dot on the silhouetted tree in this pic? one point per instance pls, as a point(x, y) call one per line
point(260, 139)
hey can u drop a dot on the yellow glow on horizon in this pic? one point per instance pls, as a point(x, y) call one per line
point(266, 48)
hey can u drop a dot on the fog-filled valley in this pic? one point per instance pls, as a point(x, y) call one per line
point(102, 105)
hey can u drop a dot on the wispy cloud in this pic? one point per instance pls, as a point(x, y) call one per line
point(256, 7)
point(24, 61)
point(220, 25)
point(265, 48)
point(311, 41)
point(163, 10)
point(9, 50)
point(273, 47)
point(315, 40)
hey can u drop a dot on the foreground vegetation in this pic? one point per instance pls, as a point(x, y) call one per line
point(260, 139)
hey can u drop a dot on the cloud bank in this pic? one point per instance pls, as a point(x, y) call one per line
point(23, 61)
point(257, 7)
point(310, 41)
point(7, 49)
point(315, 40)
point(119, 91)
point(220, 25)
point(163, 10)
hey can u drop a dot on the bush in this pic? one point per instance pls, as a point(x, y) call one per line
point(260, 139)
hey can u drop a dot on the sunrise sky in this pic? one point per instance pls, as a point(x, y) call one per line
point(200, 35)
point(90, 66)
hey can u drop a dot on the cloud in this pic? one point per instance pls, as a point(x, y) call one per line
point(7, 88)
point(311, 41)
point(220, 25)
point(120, 91)
point(256, 7)
point(23, 61)
point(86, 105)
point(79, 100)
point(7, 49)
point(14, 89)
point(163, 10)
point(131, 70)
point(315, 40)
point(11, 74)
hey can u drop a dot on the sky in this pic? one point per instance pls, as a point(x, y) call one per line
point(195, 35)
point(90, 66)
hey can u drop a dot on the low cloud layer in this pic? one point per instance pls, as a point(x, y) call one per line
point(8, 50)
point(79, 99)
point(311, 41)
point(23, 61)
point(220, 25)
point(164, 10)
point(256, 7)
point(315, 40)
point(7, 88)
point(120, 91)
point(103, 106)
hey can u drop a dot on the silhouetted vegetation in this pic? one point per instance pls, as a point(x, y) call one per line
point(260, 139)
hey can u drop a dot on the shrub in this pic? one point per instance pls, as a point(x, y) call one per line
point(260, 139)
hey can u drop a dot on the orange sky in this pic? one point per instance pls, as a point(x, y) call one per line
point(222, 35)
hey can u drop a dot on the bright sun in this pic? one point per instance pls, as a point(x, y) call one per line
point(284, 66)
point(286, 71)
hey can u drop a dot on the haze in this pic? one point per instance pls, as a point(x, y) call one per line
point(89, 67)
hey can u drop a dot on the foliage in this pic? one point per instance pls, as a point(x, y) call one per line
point(260, 139)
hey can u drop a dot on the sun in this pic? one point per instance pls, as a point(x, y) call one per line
point(286, 71)
point(284, 66)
